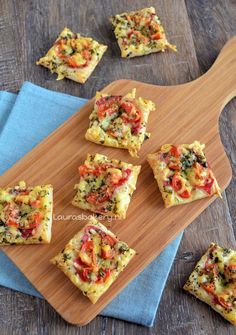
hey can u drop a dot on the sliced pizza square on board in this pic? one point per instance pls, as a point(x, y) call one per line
point(183, 173)
point(93, 259)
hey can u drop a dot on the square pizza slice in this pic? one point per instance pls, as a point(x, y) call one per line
point(140, 33)
point(183, 173)
point(120, 121)
point(73, 56)
point(26, 214)
point(214, 281)
point(106, 186)
point(93, 259)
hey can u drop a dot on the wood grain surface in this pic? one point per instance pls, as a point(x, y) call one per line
point(199, 29)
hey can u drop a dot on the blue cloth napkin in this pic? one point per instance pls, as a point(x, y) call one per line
point(25, 119)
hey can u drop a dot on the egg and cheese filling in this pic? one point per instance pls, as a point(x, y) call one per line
point(120, 121)
point(140, 33)
point(183, 173)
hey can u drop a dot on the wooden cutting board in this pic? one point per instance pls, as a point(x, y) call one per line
point(184, 113)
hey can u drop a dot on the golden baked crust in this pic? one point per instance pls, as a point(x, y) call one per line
point(214, 281)
point(106, 186)
point(93, 259)
point(183, 174)
point(140, 33)
point(73, 56)
point(120, 122)
point(25, 214)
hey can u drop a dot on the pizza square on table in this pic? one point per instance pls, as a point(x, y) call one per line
point(93, 259)
point(106, 186)
point(214, 281)
point(183, 173)
point(120, 121)
point(140, 33)
point(26, 214)
point(73, 56)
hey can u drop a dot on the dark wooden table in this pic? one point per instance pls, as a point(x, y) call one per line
point(199, 29)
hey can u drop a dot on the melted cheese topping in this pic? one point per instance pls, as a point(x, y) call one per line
point(183, 174)
point(140, 33)
point(106, 186)
point(73, 56)
point(214, 281)
point(120, 121)
point(94, 269)
point(25, 214)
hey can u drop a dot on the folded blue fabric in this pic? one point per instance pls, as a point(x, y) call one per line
point(27, 118)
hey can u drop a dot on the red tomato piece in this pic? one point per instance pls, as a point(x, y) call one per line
point(102, 278)
point(175, 151)
point(173, 166)
point(72, 62)
point(37, 218)
point(92, 198)
point(61, 41)
point(119, 181)
point(108, 239)
point(35, 203)
point(96, 171)
point(84, 274)
point(207, 185)
point(232, 267)
point(208, 264)
point(156, 36)
point(133, 114)
point(97, 198)
point(127, 106)
point(102, 111)
point(87, 246)
point(126, 175)
point(108, 104)
point(83, 170)
point(12, 223)
point(24, 192)
point(209, 287)
point(176, 183)
point(185, 194)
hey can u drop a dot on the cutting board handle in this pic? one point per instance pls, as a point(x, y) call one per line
point(219, 82)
